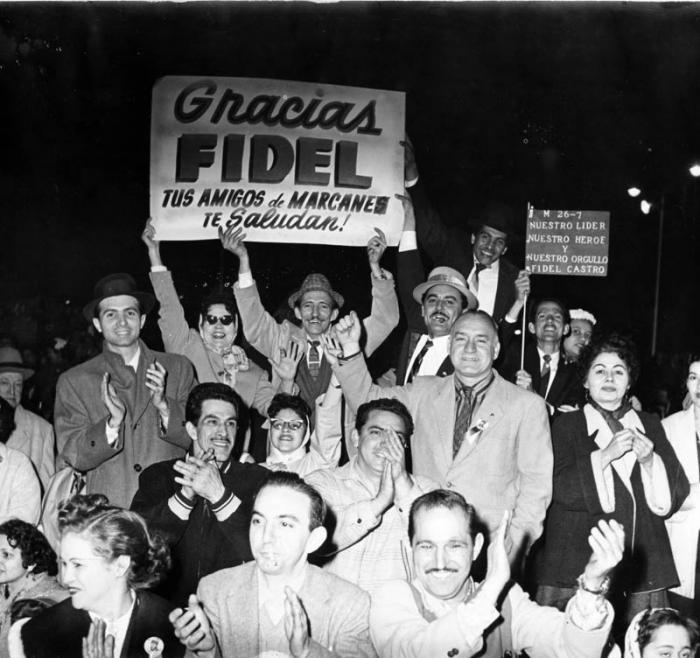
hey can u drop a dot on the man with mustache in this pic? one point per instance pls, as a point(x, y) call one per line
point(475, 432)
point(441, 611)
point(201, 504)
point(316, 305)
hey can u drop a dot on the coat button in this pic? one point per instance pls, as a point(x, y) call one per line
point(449, 485)
point(92, 444)
point(452, 652)
point(138, 468)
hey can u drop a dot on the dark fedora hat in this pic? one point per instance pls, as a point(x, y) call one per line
point(316, 282)
point(499, 216)
point(11, 361)
point(118, 284)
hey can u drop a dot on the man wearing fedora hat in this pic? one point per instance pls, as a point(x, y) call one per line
point(124, 409)
point(430, 306)
point(316, 306)
point(32, 435)
point(491, 276)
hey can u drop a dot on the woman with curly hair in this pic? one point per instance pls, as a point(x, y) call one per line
point(611, 462)
point(108, 559)
point(27, 571)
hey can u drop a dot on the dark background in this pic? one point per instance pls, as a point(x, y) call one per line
point(564, 105)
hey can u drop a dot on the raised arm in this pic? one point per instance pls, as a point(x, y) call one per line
point(384, 315)
point(259, 327)
point(174, 329)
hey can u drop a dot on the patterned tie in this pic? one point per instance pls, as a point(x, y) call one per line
point(464, 417)
point(544, 375)
point(314, 359)
point(419, 360)
point(478, 269)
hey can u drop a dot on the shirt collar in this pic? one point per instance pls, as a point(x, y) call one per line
point(273, 601)
point(494, 267)
point(554, 361)
point(440, 607)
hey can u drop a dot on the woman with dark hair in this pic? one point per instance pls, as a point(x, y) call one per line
point(611, 462)
point(683, 430)
point(27, 571)
point(661, 632)
point(108, 558)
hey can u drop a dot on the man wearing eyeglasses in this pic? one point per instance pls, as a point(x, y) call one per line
point(371, 495)
point(211, 349)
point(201, 504)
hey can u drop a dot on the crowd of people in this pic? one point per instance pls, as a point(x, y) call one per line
point(480, 498)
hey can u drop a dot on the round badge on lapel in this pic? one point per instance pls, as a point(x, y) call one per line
point(154, 647)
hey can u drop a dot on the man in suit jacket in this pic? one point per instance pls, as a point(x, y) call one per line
point(123, 410)
point(33, 435)
point(430, 307)
point(316, 306)
point(475, 432)
point(279, 603)
point(481, 259)
point(546, 370)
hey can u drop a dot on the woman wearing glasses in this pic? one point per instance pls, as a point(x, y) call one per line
point(295, 446)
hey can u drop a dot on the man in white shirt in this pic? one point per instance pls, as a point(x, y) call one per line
point(441, 611)
point(279, 605)
point(546, 371)
point(123, 410)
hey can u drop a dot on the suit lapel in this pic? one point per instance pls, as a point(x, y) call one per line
point(315, 597)
point(562, 378)
point(241, 614)
point(142, 396)
point(532, 365)
point(444, 404)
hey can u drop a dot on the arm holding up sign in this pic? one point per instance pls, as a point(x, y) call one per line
point(260, 328)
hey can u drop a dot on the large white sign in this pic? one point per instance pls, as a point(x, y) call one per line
point(286, 161)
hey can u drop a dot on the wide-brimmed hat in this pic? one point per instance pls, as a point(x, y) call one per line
point(316, 281)
point(446, 276)
point(11, 361)
point(499, 216)
point(118, 284)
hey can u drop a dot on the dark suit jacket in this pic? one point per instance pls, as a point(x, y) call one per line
point(451, 247)
point(409, 274)
point(58, 631)
point(566, 387)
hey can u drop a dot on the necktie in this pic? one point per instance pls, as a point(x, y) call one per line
point(419, 360)
point(314, 359)
point(478, 269)
point(464, 417)
point(544, 375)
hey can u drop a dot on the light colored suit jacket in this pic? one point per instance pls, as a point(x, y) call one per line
point(338, 613)
point(508, 466)
point(34, 437)
point(684, 525)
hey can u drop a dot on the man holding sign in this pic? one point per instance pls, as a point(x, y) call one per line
point(316, 305)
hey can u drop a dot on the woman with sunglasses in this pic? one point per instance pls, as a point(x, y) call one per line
point(108, 559)
point(292, 444)
point(211, 348)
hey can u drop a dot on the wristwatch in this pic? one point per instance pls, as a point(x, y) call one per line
point(601, 591)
